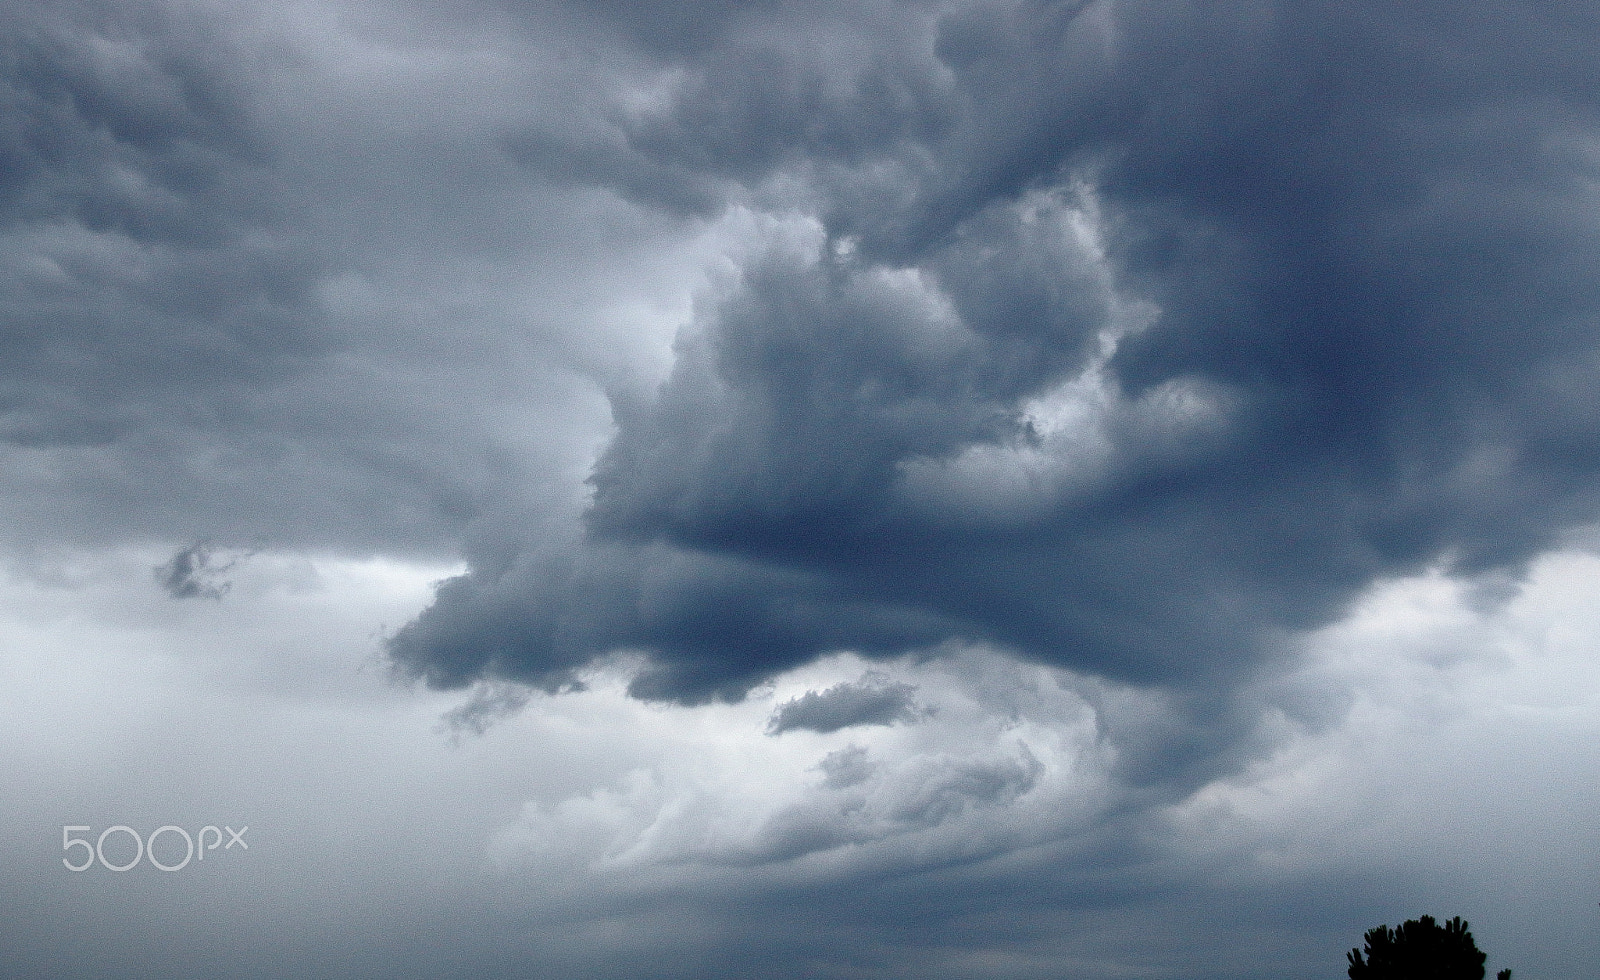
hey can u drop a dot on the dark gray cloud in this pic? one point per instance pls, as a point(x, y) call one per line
point(1361, 233)
point(195, 573)
point(872, 700)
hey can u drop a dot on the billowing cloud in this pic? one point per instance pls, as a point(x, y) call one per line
point(999, 758)
point(1129, 337)
point(872, 700)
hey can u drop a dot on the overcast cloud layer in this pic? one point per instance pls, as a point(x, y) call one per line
point(911, 488)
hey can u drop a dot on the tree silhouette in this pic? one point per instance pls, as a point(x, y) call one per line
point(1420, 949)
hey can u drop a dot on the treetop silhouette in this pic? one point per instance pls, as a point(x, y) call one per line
point(1420, 949)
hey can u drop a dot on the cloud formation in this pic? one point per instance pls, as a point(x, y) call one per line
point(1088, 368)
point(235, 311)
point(1133, 338)
point(193, 573)
point(872, 700)
point(488, 704)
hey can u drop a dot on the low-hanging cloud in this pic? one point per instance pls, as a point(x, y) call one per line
point(872, 700)
point(195, 573)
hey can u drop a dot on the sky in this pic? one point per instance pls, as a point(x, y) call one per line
point(873, 489)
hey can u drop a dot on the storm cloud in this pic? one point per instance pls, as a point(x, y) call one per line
point(1133, 338)
point(888, 488)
